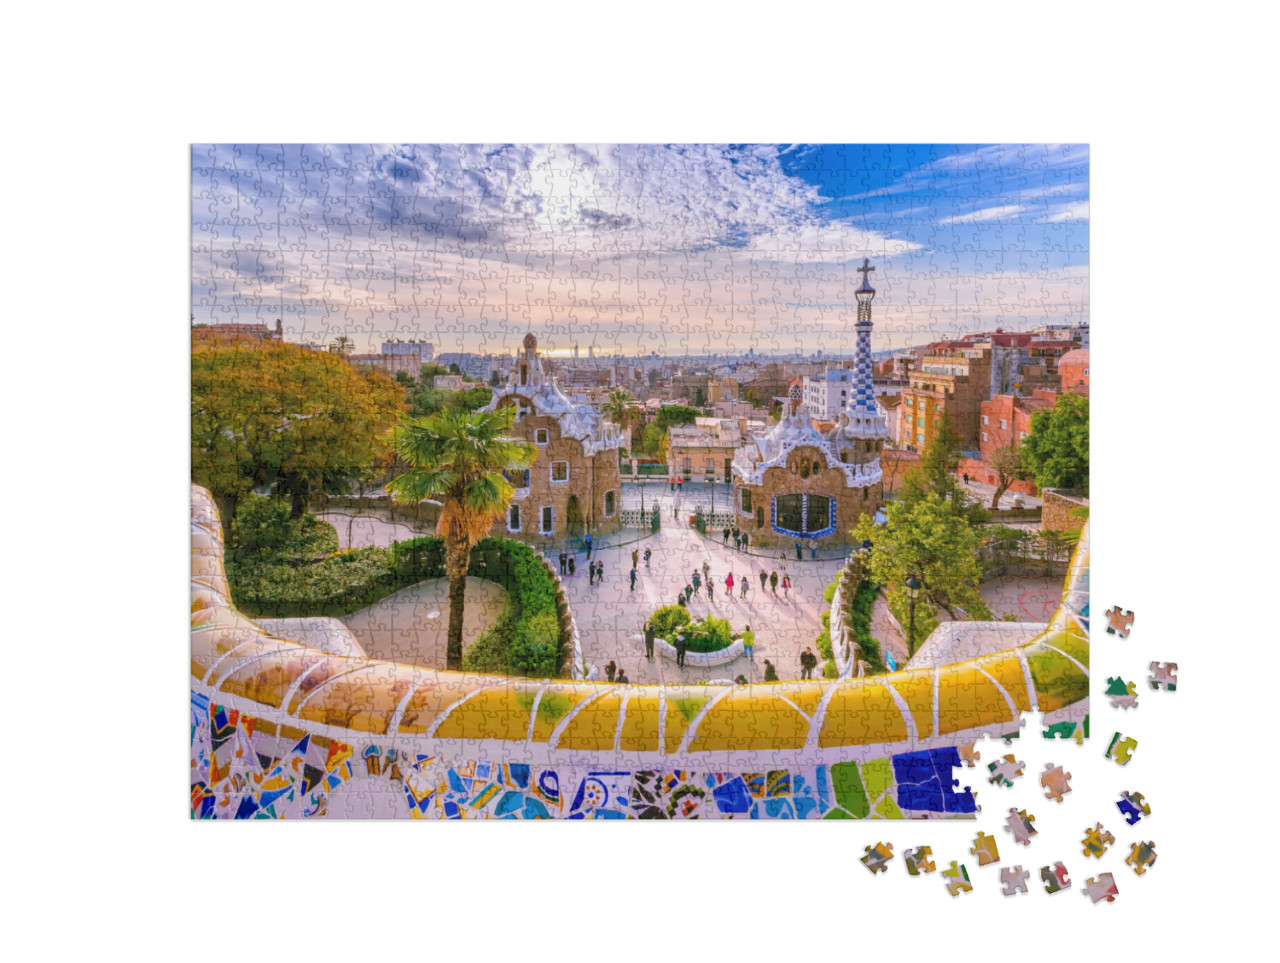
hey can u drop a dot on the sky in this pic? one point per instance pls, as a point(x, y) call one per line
point(635, 249)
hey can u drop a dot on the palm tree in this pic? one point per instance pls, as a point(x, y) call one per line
point(620, 407)
point(458, 458)
point(341, 345)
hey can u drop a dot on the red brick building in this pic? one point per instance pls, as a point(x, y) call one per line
point(1073, 372)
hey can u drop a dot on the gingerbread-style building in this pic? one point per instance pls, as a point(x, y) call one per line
point(574, 486)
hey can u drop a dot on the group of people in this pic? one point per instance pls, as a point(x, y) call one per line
point(741, 540)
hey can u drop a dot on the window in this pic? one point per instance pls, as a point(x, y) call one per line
point(610, 503)
point(984, 419)
point(1086, 372)
point(746, 501)
point(1022, 436)
point(518, 478)
point(548, 520)
point(920, 421)
point(911, 402)
point(1004, 423)
point(920, 437)
point(803, 515)
point(513, 518)
point(541, 436)
point(984, 436)
point(559, 471)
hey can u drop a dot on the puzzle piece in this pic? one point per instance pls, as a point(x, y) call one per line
point(1019, 823)
point(1054, 781)
point(1119, 621)
point(957, 879)
point(984, 847)
point(1096, 841)
point(1005, 770)
point(1100, 887)
point(1164, 675)
point(1123, 695)
point(1014, 879)
point(1133, 806)
point(918, 860)
point(878, 856)
point(1054, 878)
point(1120, 749)
point(1142, 856)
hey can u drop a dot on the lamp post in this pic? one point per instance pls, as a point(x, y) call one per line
point(913, 592)
point(711, 486)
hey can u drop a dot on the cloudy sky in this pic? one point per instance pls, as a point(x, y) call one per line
point(674, 248)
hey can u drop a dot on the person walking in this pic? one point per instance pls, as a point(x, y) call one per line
point(813, 550)
point(799, 553)
point(599, 572)
point(680, 483)
point(728, 584)
point(737, 541)
point(680, 600)
point(635, 558)
point(745, 541)
point(648, 554)
point(591, 573)
point(571, 567)
point(744, 580)
point(697, 581)
point(786, 586)
point(749, 643)
point(633, 578)
point(564, 562)
point(586, 541)
point(622, 677)
point(726, 536)
point(770, 673)
point(807, 663)
point(764, 578)
point(706, 570)
point(681, 648)
point(688, 591)
point(773, 582)
point(610, 669)
point(711, 589)
point(648, 641)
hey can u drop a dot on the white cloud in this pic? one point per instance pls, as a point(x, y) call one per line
point(986, 214)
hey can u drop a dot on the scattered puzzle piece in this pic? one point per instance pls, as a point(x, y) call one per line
point(969, 753)
point(1078, 731)
point(1096, 841)
point(1141, 857)
point(984, 847)
point(1120, 750)
point(1101, 887)
point(1015, 879)
point(1133, 806)
point(1164, 675)
point(957, 879)
point(878, 856)
point(1055, 878)
point(1019, 823)
point(918, 860)
point(1119, 621)
point(1005, 770)
point(1054, 781)
point(1123, 695)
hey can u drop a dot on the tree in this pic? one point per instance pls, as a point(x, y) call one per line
point(1009, 468)
point(493, 380)
point(620, 407)
point(669, 415)
point(454, 369)
point(342, 345)
point(935, 475)
point(1057, 450)
point(267, 413)
point(651, 438)
point(699, 398)
point(459, 458)
point(926, 540)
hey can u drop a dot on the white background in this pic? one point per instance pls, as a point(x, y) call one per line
point(103, 101)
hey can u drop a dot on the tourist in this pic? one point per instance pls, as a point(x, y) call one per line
point(807, 662)
point(587, 542)
point(599, 572)
point(770, 673)
point(737, 541)
point(681, 648)
point(726, 536)
point(741, 680)
point(680, 600)
point(697, 581)
point(622, 677)
point(633, 578)
point(744, 541)
point(711, 589)
point(610, 669)
point(764, 578)
point(635, 558)
point(648, 554)
point(648, 641)
point(813, 550)
point(564, 556)
point(744, 580)
point(571, 558)
point(799, 551)
point(749, 643)
point(786, 585)
point(688, 592)
point(680, 483)
point(591, 573)
point(728, 584)
point(773, 582)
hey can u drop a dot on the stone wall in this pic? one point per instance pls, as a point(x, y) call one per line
point(1058, 505)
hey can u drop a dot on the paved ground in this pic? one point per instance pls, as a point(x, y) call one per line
point(610, 616)
point(1030, 599)
point(363, 530)
point(412, 626)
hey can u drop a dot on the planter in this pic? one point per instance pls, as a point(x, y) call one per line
point(700, 659)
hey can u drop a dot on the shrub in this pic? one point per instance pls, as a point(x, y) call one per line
point(667, 619)
point(829, 593)
point(860, 610)
point(711, 635)
point(829, 670)
point(263, 528)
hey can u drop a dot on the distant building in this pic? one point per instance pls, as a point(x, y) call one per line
point(1073, 372)
point(423, 350)
point(478, 366)
point(706, 449)
point(826, 395)
point(955, 380)
point(229, 332)
point(574, 485)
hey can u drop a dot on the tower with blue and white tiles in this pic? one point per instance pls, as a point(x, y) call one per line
point(866, 419)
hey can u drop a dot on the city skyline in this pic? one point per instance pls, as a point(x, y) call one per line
point(681, 250)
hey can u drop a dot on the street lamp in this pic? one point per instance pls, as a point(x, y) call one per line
point(913, 592)
point(640, 478)
point(711, 486)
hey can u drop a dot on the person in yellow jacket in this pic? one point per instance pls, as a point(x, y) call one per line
point(749, 643)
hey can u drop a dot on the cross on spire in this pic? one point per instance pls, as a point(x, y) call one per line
point(864, 271)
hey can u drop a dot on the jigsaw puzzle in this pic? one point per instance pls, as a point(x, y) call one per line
point(918, 860)
point(1014, 880)
point(1142, 856)
point(1101, 887)
point(1054, 781)
point(1133, 806)
point(878, 856)
point(957, 879)
point(1119, 621)
point(1164, 675)
point(1055, 878)
point(1096, 841)
point(984, 847)
point(1122, 695)
point(1120, 749)
point(570, 481)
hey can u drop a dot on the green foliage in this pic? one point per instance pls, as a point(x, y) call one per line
point(829, 670)
point(829, 593)
point(536, 649)
point(710, 635)
point(265, 526)
point(935, 475)
point(669, 415)
point(667, 619)
point(860, 612)
point(336, 585)
point(1057, 450)
point(823, 644)
point(926, 539)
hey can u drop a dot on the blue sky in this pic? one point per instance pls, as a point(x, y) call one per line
point(667, 248)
